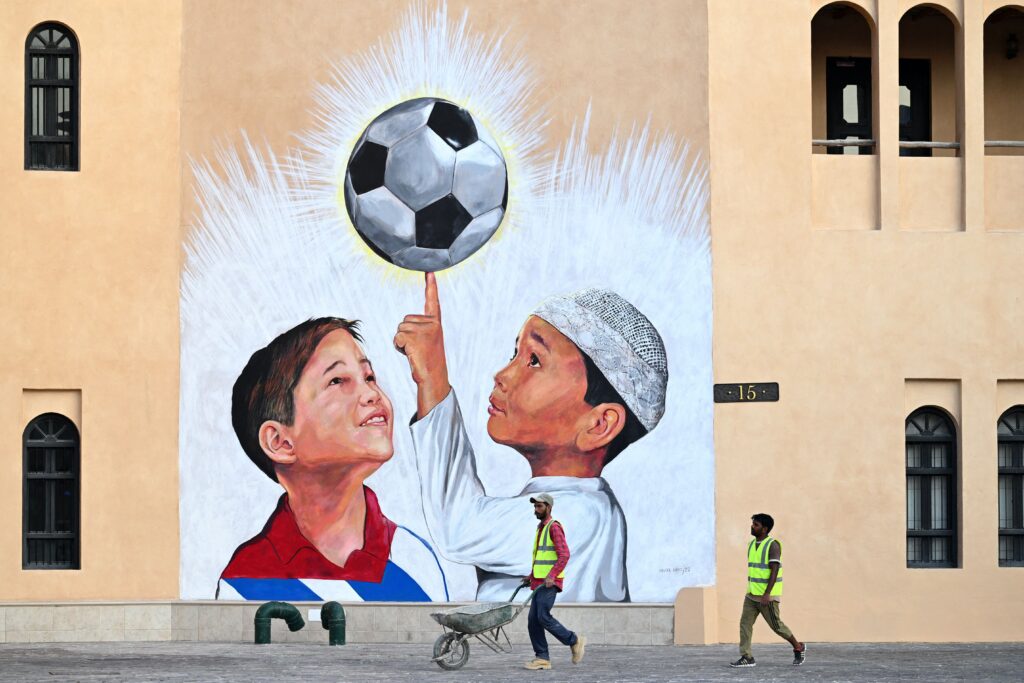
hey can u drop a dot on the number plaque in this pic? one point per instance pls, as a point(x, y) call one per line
point(747, 393)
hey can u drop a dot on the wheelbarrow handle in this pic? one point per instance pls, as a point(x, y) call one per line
point(521, 587)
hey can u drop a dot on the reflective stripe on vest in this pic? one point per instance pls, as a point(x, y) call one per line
point(758, 569)
point(544, 555)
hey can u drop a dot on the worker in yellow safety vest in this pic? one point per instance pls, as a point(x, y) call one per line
point(764, 591)
point(550, 555)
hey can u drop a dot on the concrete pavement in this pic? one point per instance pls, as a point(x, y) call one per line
point(245, 663)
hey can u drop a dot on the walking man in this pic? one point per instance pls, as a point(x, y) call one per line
point(764, 591)
point(550, 555)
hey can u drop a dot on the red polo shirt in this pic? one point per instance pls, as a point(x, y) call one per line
point(280, 551)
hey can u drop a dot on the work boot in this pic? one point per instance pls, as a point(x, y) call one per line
point(537, 664)
point(577, 649)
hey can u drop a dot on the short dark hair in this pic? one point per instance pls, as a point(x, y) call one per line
point(764, 519)
point(265, 389)
point(600, 390)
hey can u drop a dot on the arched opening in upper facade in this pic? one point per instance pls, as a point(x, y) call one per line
point(929, 82)
point(1004, 82)
point(843, 109)
point(51, 98)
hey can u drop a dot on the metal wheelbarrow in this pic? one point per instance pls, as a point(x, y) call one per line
point(484, 621)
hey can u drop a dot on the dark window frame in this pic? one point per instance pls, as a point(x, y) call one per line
point(49, 144)
point(917, 73)
point(927, 436)
point(51, 435)
point(840, 72)
point(1012, 435)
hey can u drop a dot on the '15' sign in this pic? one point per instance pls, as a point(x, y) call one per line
point(747, 393)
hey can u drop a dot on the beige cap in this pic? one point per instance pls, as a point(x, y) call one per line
point(543, 498)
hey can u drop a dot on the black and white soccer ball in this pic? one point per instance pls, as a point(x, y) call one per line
point(426, 185)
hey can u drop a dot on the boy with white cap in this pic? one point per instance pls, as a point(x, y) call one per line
point(588, 378)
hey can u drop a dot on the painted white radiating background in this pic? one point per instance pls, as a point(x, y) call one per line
point(271, 247)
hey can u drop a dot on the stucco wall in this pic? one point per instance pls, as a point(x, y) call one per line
point(90, 297)
point(253, 67)
point(843, 320)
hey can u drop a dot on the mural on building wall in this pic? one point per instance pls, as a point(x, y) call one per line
point(397, 333)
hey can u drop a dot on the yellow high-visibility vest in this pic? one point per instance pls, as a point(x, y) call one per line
point(544, 555)
point(758, 570)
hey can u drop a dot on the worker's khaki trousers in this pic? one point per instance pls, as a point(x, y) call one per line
point(770, 612)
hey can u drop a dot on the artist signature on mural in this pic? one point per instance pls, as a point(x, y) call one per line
point(675, 570)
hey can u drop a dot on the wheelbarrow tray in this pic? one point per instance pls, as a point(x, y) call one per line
point(478, 618)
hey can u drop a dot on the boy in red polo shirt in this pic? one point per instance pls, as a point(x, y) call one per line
point(309, 413)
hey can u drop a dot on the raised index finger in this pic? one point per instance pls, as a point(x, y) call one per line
point(431, 304)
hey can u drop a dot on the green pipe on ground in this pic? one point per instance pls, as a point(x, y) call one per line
point(275, 610)
point(332, 618)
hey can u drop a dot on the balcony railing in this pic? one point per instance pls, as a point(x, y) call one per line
point(842, 143)
point(914, 144)
point(928, 144)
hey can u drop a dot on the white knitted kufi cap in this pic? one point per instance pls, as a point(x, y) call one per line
point(621, 341)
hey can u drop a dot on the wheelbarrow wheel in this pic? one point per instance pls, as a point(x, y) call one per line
point(450, 651)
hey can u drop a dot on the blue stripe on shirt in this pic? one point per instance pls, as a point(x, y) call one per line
point(395, 586)
point(272, 589)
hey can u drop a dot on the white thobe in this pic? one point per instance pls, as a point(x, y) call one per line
point(497, 534)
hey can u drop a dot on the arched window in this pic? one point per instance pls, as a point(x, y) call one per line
point(842, 44)
point(931, 489)
point(929, 73)
point(51, 98)
point(51, 494)
point(1010, 431)
point(1004, 82)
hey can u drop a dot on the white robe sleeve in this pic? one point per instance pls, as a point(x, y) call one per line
point(466, 525)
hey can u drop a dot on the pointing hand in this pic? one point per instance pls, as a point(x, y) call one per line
point(421, 339)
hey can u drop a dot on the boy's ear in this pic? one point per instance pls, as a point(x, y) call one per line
point(602, 424)
point(276, 442)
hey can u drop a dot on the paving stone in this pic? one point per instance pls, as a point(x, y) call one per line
point(249, 663)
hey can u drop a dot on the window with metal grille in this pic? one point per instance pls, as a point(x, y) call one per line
point(50, 495)
point(1010, 432)
point(931, 489)
point(51, 99)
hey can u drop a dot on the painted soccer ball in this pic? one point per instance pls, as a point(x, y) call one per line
point(426, 185)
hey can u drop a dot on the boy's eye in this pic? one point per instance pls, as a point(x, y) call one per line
point(534, 361)
point(336, 380)
point(371, 378)
point(515, 352)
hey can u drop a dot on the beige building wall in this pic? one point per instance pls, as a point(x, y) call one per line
point(94, 256)
point(858, 327)
point(253, 67)
point(90, 297)
point(859, 323)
